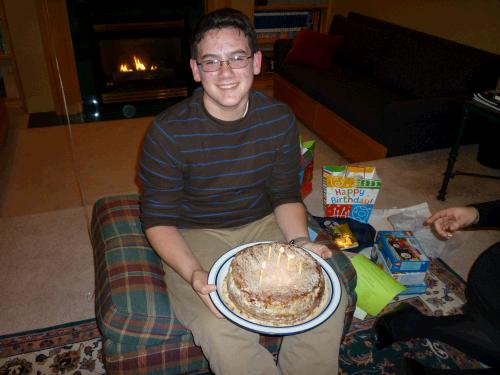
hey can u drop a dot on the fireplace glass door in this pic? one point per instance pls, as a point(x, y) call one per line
point(145, 64)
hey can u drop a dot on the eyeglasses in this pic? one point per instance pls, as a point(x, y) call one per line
point(235, 62)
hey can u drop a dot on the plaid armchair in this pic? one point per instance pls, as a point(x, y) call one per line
point(141, 335)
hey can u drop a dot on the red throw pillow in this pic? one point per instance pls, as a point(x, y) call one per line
point(314, 49)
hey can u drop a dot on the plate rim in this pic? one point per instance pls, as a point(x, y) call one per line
point(328, 310)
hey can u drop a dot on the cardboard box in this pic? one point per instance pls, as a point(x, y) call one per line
point(414, 289)
point(402, 251)
point(405, 278)
point(414, 282)
point(350, 191)
point(306, 167)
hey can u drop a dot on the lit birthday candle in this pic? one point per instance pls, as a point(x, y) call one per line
point(263, 266)
point(290, 257)
point(281, 251)
point(269, 252)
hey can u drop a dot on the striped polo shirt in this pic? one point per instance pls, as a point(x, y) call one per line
point(201, 172)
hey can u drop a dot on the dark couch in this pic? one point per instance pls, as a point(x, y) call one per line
point(388, 91)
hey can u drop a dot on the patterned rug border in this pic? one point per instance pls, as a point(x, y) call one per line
point(49, 328)
point(48, 337)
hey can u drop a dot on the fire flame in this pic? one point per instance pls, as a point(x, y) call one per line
point(125, 68)
point(138, 66)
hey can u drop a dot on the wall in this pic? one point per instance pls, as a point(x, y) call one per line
point(472, 22)
point(25, 34)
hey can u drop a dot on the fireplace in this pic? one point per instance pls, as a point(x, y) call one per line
point(132, 57)
point(141, 61)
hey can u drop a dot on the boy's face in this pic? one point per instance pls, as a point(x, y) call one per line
point(226, 90)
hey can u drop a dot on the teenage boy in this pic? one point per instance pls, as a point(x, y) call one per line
point(220, 169)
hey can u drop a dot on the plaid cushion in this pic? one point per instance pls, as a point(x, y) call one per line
point(141, 333)
point(179, 356)
point(132, 306)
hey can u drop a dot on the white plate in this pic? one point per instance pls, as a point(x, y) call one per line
point(220, 269)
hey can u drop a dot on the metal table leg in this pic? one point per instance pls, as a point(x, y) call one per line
point(452, 158)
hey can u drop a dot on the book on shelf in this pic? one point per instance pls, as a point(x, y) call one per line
point(276, 20)
point(271, 25)
point(490, 98)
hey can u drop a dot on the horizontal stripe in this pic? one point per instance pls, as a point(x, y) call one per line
point(236, 146)
point(227, 202)
point(230, 134)
point(222, 188)
point(154, 173)
point(268, 166)
point(162, 150)
point(232, 160)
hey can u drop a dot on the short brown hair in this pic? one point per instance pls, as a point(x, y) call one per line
point(220, 19)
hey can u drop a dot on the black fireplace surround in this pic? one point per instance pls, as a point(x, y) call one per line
point(132, 57)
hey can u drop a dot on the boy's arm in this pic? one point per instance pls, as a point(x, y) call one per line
point(292, 220)
point(173, 249)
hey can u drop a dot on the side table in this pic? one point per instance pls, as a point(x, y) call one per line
point(471, 108)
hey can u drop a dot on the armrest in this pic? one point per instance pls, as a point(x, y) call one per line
point(132, 304)
point(280, 49)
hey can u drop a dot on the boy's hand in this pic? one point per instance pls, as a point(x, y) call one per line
point(199, 282)
point(322, 250)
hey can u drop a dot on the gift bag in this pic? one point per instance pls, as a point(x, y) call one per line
point(306, 166)
point(350, 191)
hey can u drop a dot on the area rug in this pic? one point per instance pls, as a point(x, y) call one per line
point(76, 348)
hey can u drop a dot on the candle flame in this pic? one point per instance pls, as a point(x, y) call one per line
point(281, 251)
point(263, 265)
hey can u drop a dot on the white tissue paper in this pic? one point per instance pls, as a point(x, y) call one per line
point(413, 218)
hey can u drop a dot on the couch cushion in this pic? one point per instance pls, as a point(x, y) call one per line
point(348, 92)
point(363, 46)
point(132, 305)
point(423, 65)
point(421, 124)
point(314, 49)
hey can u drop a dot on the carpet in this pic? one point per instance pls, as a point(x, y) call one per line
point(75, 348)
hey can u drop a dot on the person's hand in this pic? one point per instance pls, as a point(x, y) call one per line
point(322, 250)
point(449, 220)
point(199, 282)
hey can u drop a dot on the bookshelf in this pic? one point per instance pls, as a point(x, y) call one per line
point(283, 21)
point(323, 11)
point(11, 92)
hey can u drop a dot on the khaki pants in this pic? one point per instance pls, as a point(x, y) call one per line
point(233, 350)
